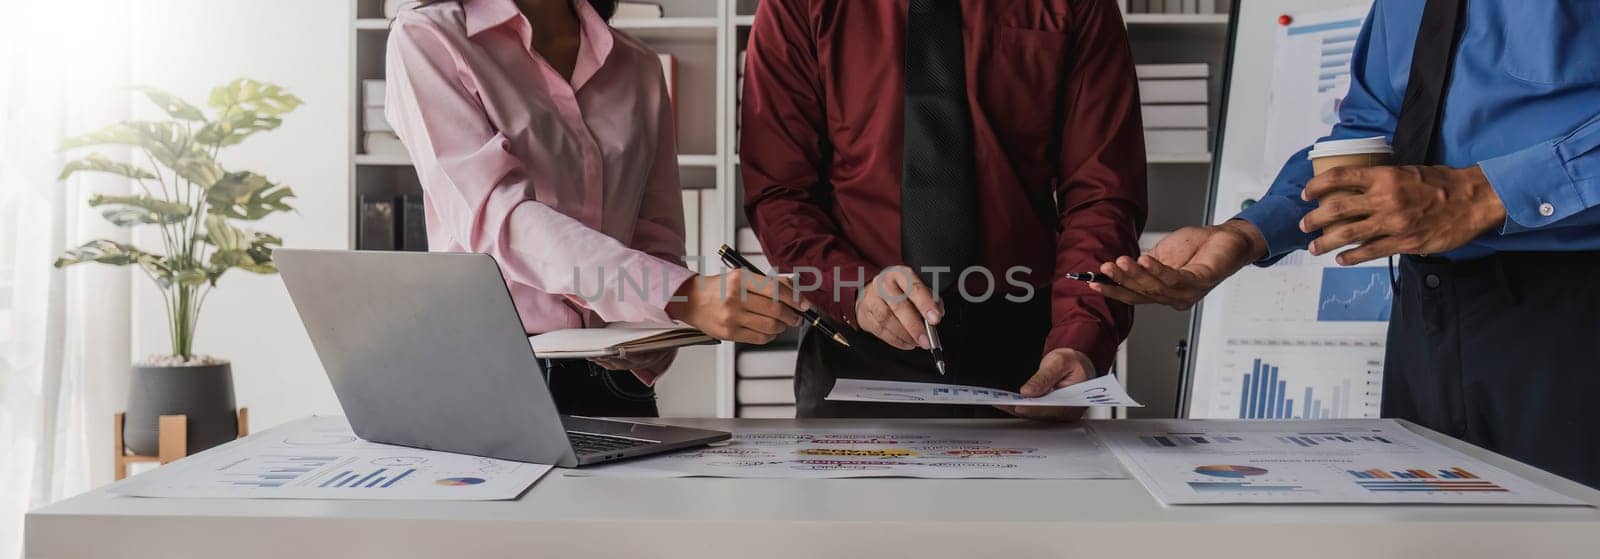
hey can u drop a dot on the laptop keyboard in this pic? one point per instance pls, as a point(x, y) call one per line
point(590, 443)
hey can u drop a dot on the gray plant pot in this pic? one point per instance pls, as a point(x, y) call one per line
point(203, 393)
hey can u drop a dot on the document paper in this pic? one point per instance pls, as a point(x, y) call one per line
point(887, 449)
point(320, 458)
point(1103, 391)
point(1293, 462)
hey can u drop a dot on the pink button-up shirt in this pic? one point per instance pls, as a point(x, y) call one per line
point(569, 185)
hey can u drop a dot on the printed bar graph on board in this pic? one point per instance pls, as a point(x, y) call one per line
point(1262, 395)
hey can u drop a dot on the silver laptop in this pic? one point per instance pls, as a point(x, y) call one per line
point(426, 350)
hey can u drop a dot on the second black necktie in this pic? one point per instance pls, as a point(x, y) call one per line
point(938, 192)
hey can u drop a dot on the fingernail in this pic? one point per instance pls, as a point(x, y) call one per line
point(933, 317)
point(922, 341)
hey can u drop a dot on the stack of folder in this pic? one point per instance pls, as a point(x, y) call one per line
point(378, 137)
point(1175, 109)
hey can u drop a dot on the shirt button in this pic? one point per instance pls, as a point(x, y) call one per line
point(1432, 281)
point(1547, 209)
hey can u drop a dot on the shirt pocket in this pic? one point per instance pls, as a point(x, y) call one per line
point(1553, 42)
point(1019, 84)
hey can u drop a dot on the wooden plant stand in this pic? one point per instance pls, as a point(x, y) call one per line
point(172, 432)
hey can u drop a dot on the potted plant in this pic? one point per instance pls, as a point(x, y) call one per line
point(195, 202)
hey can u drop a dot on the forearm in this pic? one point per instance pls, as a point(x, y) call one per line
point(1082, 319)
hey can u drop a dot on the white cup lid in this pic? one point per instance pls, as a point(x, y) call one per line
point(1359, 146)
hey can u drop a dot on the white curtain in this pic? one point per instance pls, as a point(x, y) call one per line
point(64, 349)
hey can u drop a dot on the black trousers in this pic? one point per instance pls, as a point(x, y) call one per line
point(995, 344)
point(1504, 353)
point(583, 388)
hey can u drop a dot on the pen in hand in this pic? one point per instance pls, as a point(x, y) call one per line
point(1092, 277)
point(934, 346)
point(732, 259)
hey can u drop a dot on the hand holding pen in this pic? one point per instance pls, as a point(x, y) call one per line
point(735, 261)
point(902, 311)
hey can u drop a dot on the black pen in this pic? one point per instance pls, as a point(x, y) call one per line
point(1092, 277)
point(732, 259)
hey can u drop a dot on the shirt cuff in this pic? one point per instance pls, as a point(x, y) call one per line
point(644, 300)
point(1096, 340)
point(837, 290)
point(1534, 186)
point(649, 376)
point(1278, 219)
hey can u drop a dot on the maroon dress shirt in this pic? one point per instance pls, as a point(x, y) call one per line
point(1060, 159)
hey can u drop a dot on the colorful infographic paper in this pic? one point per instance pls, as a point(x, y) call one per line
point(887, 449)
point(320, 458)
point(1298, 462)
point(1102, 391)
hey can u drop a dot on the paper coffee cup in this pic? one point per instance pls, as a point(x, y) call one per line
point(1361, 152)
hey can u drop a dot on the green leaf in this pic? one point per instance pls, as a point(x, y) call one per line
point(245, 107)
point(167, 142)
point(247, 196)
point(233, 127)
point(264, 98)
point(247, 250)
point(225, 236)
point(118, 254)
point(172, 104)
point(105, 252)
point(164, 140)
point(128, 211)
point(103, 164)
point(197, 166)
point(192, 277)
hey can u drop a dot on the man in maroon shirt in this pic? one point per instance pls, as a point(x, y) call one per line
point(1055, 183)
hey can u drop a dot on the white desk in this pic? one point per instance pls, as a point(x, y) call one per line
point(569, 517)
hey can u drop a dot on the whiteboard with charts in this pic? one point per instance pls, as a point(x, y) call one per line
point(1304, 338)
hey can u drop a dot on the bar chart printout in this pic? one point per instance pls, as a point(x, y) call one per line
point(320, 458)
point(1187, 439)
point(1414, 480)
point(1372, 461)
point(1263, 395)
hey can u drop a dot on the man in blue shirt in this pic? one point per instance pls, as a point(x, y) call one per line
point(1493, 208)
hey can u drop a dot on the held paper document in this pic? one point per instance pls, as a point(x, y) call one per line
point(947, 450)
point(1289, 462)
point(320, 458)
point(1102, 391)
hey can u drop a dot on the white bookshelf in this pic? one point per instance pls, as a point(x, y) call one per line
point(705, 36)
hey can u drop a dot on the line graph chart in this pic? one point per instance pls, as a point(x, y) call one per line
point(1361, 294)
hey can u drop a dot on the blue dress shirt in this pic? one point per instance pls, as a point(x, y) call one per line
point(1523, 103)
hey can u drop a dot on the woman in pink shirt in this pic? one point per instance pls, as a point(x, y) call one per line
point(545, 138)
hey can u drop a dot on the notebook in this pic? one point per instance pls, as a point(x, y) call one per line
point(616, 339)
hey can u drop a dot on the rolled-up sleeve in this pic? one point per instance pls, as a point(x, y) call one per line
point(481, 193)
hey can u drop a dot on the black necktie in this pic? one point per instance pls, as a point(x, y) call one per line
point(938, 199)
point(1431, 59)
